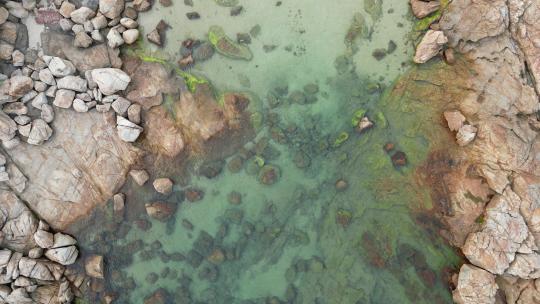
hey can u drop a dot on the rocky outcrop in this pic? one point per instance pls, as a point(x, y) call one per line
point(490, 198)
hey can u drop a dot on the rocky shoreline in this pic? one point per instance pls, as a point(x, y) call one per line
point(78, 117)
point(488, 193)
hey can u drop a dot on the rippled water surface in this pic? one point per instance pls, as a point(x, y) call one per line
point(308, 238)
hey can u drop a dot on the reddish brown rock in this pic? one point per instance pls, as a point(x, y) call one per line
point(161, 211)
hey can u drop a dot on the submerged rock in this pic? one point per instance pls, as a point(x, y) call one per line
point(161, 211)
point(226, 46)
point(269, 175)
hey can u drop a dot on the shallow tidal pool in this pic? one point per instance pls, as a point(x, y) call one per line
point(340, 219)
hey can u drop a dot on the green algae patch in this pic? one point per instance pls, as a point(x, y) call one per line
point(341, 138)
point(380, 120)
point(227, 3)
point(357, 116)
point(226, 46)
point(424, 23)
point(192, 81)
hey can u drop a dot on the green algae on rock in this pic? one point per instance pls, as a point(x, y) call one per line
point(226, 46)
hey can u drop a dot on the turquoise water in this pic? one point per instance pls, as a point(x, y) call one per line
point(307, 238)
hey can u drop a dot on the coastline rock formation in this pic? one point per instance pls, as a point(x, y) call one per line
point(490, 202)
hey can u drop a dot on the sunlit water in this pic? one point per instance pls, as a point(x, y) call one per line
point(300, 240)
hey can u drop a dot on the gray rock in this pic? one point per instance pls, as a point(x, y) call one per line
point(29, 96)
point(60, 67)
point(64, 98)
point(103, 108)
point(44, 239)
point(39, 133)
point(40, 86)
point(96, 35)
point(88, 27)
point(63, 240)
point(110, 80)
point(111, 8)
point(8, 127)
point(19, 296)
point(114, 39)
point(65, 24)
point(16, 9)
point(77, 28)
point(6, 50)
point(51, 91)
point(63, 255)
point(81, 15)
point(12, 143)
point(47, 77)
point(127, 131)
point(25, 130)
point(134, 113)
point(47, 113)
point(121, 105)
point(79, 106)
point(20, 120)
point(74, 83)
point(39, 100)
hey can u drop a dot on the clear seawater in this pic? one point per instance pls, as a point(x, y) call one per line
point(300, 240)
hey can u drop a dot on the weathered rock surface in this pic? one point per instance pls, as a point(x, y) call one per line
point(79, 168)
point(110, 80)
point(475, 285)
point(430, 45)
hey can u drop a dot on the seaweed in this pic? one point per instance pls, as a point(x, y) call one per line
point(226, 46)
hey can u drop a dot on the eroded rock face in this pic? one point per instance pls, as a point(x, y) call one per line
point(475, 285)
point(82, 166)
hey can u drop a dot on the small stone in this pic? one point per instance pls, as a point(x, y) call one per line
point(422, 9)
point(39, 100)
point(142, 5)
point(20, 120)
point(129, 23)
point(154, 37)
point(99, 22)
point(430, 45)
point(79, 106)
point(111, 8)
point(121, 105)
point(449, 56)
point(51, 91)
point(64, 98)
point(126, 130)
point(163, 185)
point(194, 194)
point(193, 16)
point(82, 40)
point(130, 13)
point(364, 124)
point(66, 9)
point(341, 185)
point(17, 108)
point(134, 113)
point(16, 9)
point(6, 50)
point(60, 67)
point(4, 14)
point(130, 36)
point(110, 80)
point(235, 11)
point(81, 15)
point(40, 86)
point(17, 58)
point(160, 210)
point(114, 39)
point(166, 3)
point(103, 108)
point(454, 119)
point(47, 113)
point(25, 130)
point(94, 266)
point(139, 176)
point(119, 200)
point(46, 76)
point(39, 133)
point(63, 255)
point(35, 253)
point(399, 159)
point(465, 135)
point(65, 24)
point(44, 239)
point(96, 35)
point(73, 83)
point(20, 85)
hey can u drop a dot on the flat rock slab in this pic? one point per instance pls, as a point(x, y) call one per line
point(80, 167)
